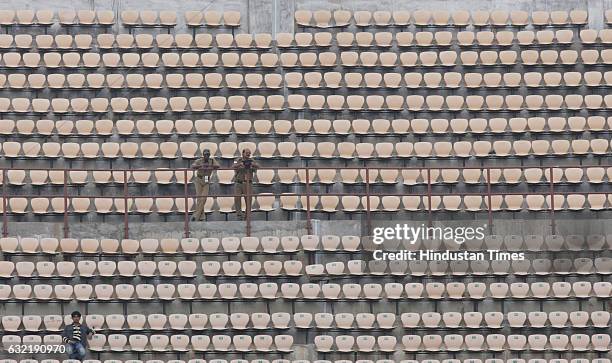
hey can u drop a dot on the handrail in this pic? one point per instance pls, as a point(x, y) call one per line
point(307, 192)
point(557, 166)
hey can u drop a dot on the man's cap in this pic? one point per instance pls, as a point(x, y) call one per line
point(75, 313)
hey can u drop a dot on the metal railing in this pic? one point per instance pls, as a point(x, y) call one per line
point(248, 196)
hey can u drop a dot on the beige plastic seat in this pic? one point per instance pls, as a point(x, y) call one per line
point(559, 18)
point(322, 18)
point(578, 17)
point(103, 17)
point(518, 18)
point(194, 18)
point(480, 18)
point(420, 17)
point(132, 17)
point(540, 18)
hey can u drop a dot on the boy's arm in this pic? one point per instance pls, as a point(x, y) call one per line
point(65, 337)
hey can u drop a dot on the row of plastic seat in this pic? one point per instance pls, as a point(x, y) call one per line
point(16, 177)
point(86, 268)
point(326, 203)
point(458, 342)
point(195, 18)
point(572, 175)
point(50, 206)
point(28, 17)
point(307, 127)
point(390, 176)
point(459, 18)
point(129, 18)
point(306, 149)
point(308, 291)
point(211, 80)
point(580, 266)
point(151, 60)
point(165, 343)
point(362, 127)
point(495, 320)
point(306, 59)
point(298, 102)
point(126, 41)
point(45, 41)
point(298, 80)
point(525, 267)
point(271, 244)
point(495, 360)
point(165, 205)
point(266, 244)
point(315, 127)
point(343, 343)
point(412, 80)
point(322, 18)
point(149, 268)
point(288, 40)
point(442, 38)
point(302, 320)
point(422, 39)
point(540, 267)
point(148, 18)
point(454, 203)
point(511, 242)
point(347, 59)
point(448, 58)
point(166, 268)
point(194, 321)
point(302, 40)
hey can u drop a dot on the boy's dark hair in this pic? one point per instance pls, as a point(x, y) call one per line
point(75, 313)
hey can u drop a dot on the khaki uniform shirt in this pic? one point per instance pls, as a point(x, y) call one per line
point(242, 174)
point(202, 171)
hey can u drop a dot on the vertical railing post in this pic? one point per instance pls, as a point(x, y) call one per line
point(186, 216)
point(308, 221)
point(66, 228)
point(489, 206)
point(429, 216)
point(368, 215)
point(4, 205)
point(247, 202)
point(552, 201)
point(126, 227)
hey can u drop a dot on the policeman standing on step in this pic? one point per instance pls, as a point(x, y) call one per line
point(204, 167)
point(245, 168)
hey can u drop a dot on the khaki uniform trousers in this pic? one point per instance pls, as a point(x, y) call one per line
point(240, 191)
point(202, 188)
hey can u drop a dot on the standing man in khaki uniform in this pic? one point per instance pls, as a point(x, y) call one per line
point(245, 168)
point(204, 167)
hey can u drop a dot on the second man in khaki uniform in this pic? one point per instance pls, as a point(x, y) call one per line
point(203, 167)
point(245, 168)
